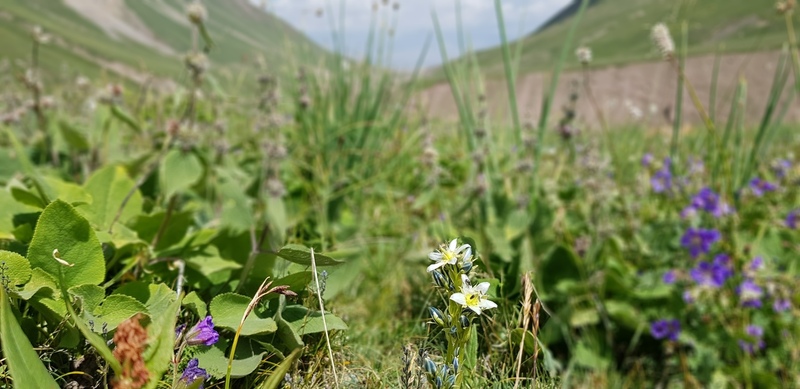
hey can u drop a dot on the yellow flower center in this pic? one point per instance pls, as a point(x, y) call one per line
point(472, 299)
point(448, 256)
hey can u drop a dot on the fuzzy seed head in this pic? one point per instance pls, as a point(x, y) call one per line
point(663, 40)
point(196, 13)
point(584, 55)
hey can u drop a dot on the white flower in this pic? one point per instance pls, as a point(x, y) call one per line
point(473, 297)
point(448, 255)
point(584, 54)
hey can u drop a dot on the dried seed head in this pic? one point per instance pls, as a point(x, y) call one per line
point(131, 340)
point(196, 12)
point(784, 6)
point(39, 36)
point(197, 63)
point(584, 55)
point(663, 40)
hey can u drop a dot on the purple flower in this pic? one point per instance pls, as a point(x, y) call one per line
point(709, 274)
point(759, 187)
point(755, 333)
point(661, 181)
point(669, 329)
point(688, 297)
point(202, 333)
point(781, 168)
point(756, 264)
point(708, 201)
point(699, 241)
point(696, 166)
point(782, 305)
point(193, 377)
point(723, 262)
point(669, 277)
point(791, 219)
point(647, 159)
point(750, 294)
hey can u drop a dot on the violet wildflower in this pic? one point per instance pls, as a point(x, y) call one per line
point(669, 329)
point(758, 187)
point(193, 376)
point(750, 294)
point(724, 266)
point(755, 333)
point(708, 201)
point(661, 181)
point(699, 241)
point(781, 168)
point(791, 219)
point(688, 296)
point(202, 333)
point(669, 277)
point(647, 160)
point(708, 274)
point(782, 305)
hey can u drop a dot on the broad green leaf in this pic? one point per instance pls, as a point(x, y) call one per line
point(471, 352)
point(15, 268)
point(561, 265)
point(286, 333)
point(237, 210)
point(115, 309)
point(39, 280)
point(209, 262)
point(215, 359)
point(227, 310)
point(61, 228)
point(196, 304)
point(27, 166)
point(304, 321)
point(161, 331)
point(302, 255)
point(26, 196)
point(277, 375)
point(276, 215)
point(73, 136)
point(624, 314)
point(90, 296)
point(584, 317)
point(586, 357)
point(67, 191)
point(179, 171)
point(516, 338)
point(7, 211)
point(25, 366)
point(147, 226)
point(108, 187)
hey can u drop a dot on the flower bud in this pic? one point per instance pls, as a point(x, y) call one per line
point(584, 55)
point(464, 321)
point(455, 365)
point(663, 40)
point(430, 367)
point(437, 316)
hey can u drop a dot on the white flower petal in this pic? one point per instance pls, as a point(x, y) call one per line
point(435, 256)
point(459, 298)
point(436, 265)
point(476, 309)
point(483, 287)
point(462, 248)
point(468, 255)
point(453, 245)
point(487, 304)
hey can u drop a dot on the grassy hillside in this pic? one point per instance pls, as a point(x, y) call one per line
point(82, 46)
point(618, 31)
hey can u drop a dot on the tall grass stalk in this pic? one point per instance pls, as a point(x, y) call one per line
point(511, 79)
point(712, 96)
point(778, 82)
point(547, 102)
point(677, 120)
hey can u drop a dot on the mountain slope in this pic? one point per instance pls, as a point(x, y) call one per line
point(618, 31)
point(137, 38)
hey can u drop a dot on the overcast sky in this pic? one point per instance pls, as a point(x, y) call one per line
point(413, 23)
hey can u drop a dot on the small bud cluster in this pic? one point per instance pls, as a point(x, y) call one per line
point(783, 7)
point(196, 13)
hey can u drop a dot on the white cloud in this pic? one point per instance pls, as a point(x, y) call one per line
point(413, 22)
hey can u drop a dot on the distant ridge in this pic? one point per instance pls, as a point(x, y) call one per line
point(565, 13)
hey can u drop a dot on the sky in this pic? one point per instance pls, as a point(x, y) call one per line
point(412, 23)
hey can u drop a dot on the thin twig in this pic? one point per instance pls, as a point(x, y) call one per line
point(324, 323)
